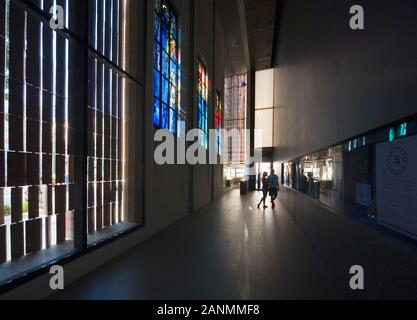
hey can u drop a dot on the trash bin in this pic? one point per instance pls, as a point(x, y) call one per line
point(243, 187)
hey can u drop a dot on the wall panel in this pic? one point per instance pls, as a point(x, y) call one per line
point(332, 83)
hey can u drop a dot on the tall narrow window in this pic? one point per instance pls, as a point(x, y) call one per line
point(105, 120)
point(202, 113)
point(235, 104)
point(167, 113)
point(264, 108)
point(42, 73)
point(38, 93)
point(219, 123)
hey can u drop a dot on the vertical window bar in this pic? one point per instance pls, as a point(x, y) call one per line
point(6, 110)
point(95, 115)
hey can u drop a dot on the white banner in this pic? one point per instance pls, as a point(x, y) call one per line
point(396, 185)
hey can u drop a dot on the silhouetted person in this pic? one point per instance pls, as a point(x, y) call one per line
point(264, 189)
point(273, 187)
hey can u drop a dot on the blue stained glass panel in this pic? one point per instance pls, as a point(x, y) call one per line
point(165, 64)
point(172, 120)
point(157, 57)
point(157, 112)
point(199, 106)
point(165, 117)
point(165, 13)
point(199, 120)
point(165, 91)
point(166, 61)
point(173, 75)
point(173, 25)
point(165, 39)
point(202, 104)
point(173, 97)
point(173, 49)
point(157, 84)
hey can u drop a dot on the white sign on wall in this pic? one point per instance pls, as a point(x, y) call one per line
point(396, 185)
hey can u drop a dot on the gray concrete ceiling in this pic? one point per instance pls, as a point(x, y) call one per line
point(260, 17)
point(235, 42)
point(249, 27)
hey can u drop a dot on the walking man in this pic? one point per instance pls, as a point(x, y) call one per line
point(273, 187)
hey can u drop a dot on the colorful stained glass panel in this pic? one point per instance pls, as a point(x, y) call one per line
point(157, 112)
point(167, 69)
point(157, 84)
point(165, 117)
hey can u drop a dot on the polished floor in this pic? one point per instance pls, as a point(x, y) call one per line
point(228, 250)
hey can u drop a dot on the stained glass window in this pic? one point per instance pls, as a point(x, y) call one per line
point(202, 114)
point(235, 102)
point(167, 69)
point(219, 121)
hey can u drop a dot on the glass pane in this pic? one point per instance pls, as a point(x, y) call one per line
point(264, 89)
point(157, 113)
point(173, 74)
point(157, 57)
point(173, 49)
point(173, 24)
point(36, 151)
point(165, 90)
point(165, 13)
point(235, 117)
point(173, 97)
point(157, 84)
point(165, 117)
point(264, 127)
point(172, 120)
point(165, 39)
point(200, 105)
point(165, 64)
point(166, 55)
point(107, 214)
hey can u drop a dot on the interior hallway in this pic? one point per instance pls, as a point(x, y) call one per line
point(227, 250)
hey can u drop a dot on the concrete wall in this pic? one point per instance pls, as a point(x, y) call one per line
point(165, 196)
point(332, 83)
point(210, 47)
point(160, 194)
